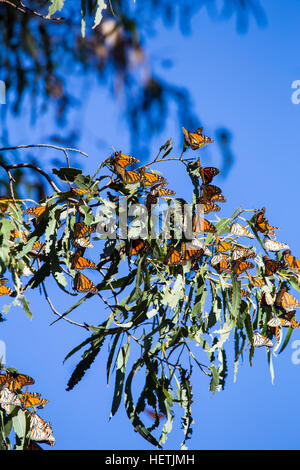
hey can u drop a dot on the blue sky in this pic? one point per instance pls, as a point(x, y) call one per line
point(241, 82)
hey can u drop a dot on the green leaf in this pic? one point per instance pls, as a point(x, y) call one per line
point(131, 410)
point(8, 426)
point(26, 308)
point(19, 424)
point(88, 358)
point(286, 340)
point(67, 174)
point(167, 428)
point(223, 226)
point(236, 297)
point(111, 355)
point(295, 283)
point(120, 376)
point(56, 5)
point(185, 398)
point(101, 5)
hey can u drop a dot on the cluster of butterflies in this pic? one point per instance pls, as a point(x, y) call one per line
point(225, 254)
point(11, 394)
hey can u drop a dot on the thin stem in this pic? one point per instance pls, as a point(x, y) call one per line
point(33, 167)
point(24, 9)
point(62, 149)
point(57, 313)
point(162, 160)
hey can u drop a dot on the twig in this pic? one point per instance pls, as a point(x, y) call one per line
point(163, 160)
point(62, 149)
point(24, 9)
point(57, 313)
point(33, 167)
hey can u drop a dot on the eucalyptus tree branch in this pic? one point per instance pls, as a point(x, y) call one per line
point(33, 167)
point(26, 10)
point(59, 314)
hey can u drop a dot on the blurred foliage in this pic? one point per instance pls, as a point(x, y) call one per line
point(173, 303)
point(39, 54)
point(21, 428)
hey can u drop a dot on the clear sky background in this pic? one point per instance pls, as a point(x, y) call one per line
point(238, 81)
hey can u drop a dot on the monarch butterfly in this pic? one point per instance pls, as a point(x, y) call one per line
point(40, 430)
point(217, 198)
point(35, 211)
point(208, 206)
point(81, 230)
point(15, 381)
point(276, 321)
point(290, 260)
point(159, 190)
point(174, 257)
point(198, 245)
point(131, 177)
point(149, 179)
point(17, 234)
point(4, 290)
point(79, 262)
point(275, 324)
point(207, 173)
point(79, 192)
point(82, 243)
point(5, 201)
point(196, 139)
point(271, 266)
point(138, 246)
point(218, 258)
point(224, 245)
point(261, 223)
point(190, 251)
point(38, 246)
point(266, 299)
point(255, 281)
point(154, 414)
point(202, 225)
point(223, 267)
point(83, 284)
point(239, 230)
point(29, 399)
point(220, 263)
point(122, 161)
point(272, 245)
point(238, 253)
point(260, 340)
point(208, 191)
point(241, 265)
point(295, 324)
point(8, 398)
point(286, 301)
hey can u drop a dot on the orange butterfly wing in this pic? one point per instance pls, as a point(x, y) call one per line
point(83, 284)
point(79, 262)
point(35, 211)
point(15, 381)
point(201, 225)
point(138, 246)
point(207, 173)
point(174, 257)
point(4, 290)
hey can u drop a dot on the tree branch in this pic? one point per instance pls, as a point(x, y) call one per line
point(26, 10)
